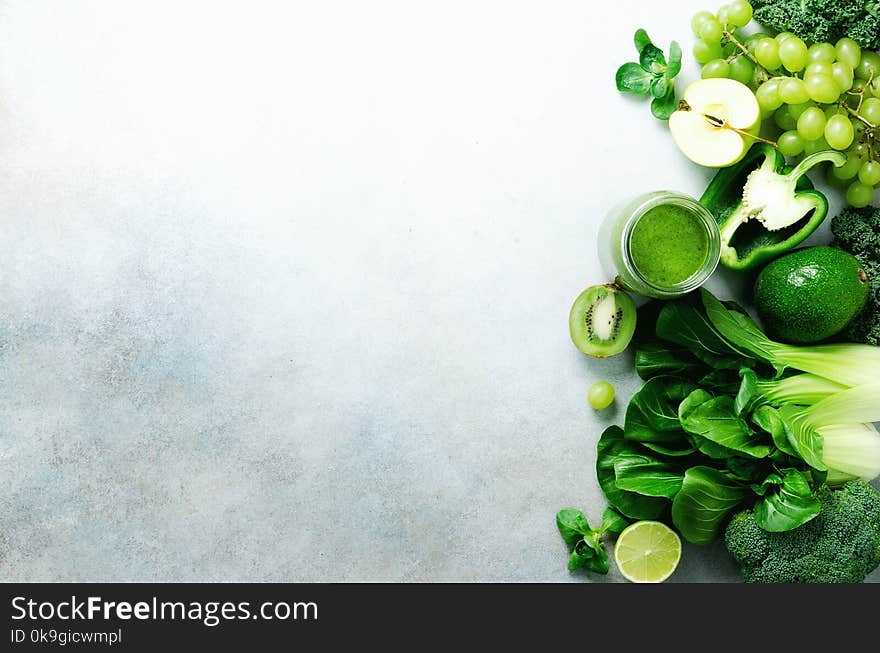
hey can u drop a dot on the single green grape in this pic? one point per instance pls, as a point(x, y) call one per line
point(818, 145)
point(792, 53)
point(870, 110)
point(839, 132)
point(717, 68)
point(869, 63)
point(859, 195)
point(818, 68)
point(767, 53)
point(751, 41)
point(822, 88)
point(848, 51)
point(811, 124)
point(860, 150)
point(797, 109)
point(849, 169)
point(821, 52)
point(739, 12)
point(842, 74)
point(768, 96)
point(869, 173)
point(705, 52)
point(782, 37)
point(600, 395)
point(793, 90)
point(790, 143)
point(711, 31)
point(699, 18)
point(723, 16)
point(741, 69)
point(784, 120)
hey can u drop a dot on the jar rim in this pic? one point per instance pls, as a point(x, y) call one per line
point(713, 256)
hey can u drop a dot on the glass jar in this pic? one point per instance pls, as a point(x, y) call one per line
point(616, 252)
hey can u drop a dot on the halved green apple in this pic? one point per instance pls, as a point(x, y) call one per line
point(715, 122)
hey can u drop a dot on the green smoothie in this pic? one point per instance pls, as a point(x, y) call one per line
point(668, 244)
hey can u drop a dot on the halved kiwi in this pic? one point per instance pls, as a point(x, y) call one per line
point(602, 320)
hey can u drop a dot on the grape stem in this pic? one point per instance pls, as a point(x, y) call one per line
point(730, 37)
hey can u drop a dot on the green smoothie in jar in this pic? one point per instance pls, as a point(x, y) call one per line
point(661, 244)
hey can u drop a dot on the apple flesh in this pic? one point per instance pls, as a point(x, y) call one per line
point(715, 122)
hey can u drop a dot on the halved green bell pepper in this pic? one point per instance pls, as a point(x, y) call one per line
point(763, 207)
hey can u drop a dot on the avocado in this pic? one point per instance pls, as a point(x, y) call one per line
point(810, 294)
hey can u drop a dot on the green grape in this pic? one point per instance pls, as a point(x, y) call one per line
point(705, 52)
point(790, 143)
point(767, 53)
point(869, 173)
point(822, 89)
point(723, 16)
point(739, 12)
point(860, 129)
point(849, 169)
point(870, 110)
point(875, 87)
point(818, 145)
point(711, 31)
point(783, 119)
point(859, 195)
point(752, 41)
point(699, 18)
point(818, 68)
point(600, 395)
point(839, 132)
point(797, 109)
point(782, 37)
point(741, 69)
point(728, 50)
point(839, 184)
point(768, 96)
point(860, 150)
point(870, 63)
point(821, 52)
point(842, 74)
point(717, 68)
point(811, 124)
point(848, 51)
point(792, 53)
point(793, 90)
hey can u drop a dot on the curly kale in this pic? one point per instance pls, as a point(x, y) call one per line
point(858, 232)
point(823, 20)
point(840, 545)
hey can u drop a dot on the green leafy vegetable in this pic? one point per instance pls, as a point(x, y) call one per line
point(585, 542)
point(707, 496)
point(652, 75)
point(818, 21)
point(790, 505)
point(857, 231)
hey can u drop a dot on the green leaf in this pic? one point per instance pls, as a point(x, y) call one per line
point(651, 478)
point(580, 558)
point(572, 525)
point(651, 59)
point(805, 441)
point(590, 553)
point(714, 419)
point(792, 504)
point(630, 504)
point(613, 521)
point(768, 419)
point(674, 66)
point(681, 323)
point(747, 389)
point(641, 40)
point(663, 107)
point(685, 447)
point(652, 413)
point(659, 86)
point(653, 359)
point(706, 498)
point(632, 78)
point(737, 328)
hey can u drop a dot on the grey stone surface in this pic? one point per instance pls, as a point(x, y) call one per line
point(284, 286)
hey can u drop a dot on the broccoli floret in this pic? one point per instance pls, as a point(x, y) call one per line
point(822, 20)
point(840, 545)
point(858, 232)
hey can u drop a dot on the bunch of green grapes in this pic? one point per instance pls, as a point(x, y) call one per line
point(817, 97)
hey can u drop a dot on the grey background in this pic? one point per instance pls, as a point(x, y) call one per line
point(284, 286)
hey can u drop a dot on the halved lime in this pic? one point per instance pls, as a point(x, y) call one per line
point(647, 552)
